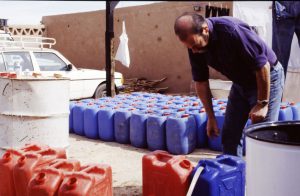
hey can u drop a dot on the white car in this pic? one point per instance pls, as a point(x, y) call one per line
point(36, 55)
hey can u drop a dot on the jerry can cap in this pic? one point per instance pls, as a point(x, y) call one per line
point(283, 107)
point(72, 183)
point(185, 164)
point(21, 160)
point(185, 115)
point(40, 178)
point(6, 157)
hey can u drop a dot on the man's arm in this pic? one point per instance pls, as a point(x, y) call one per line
point(259, 111)
point(263, 82)
point(204, 93)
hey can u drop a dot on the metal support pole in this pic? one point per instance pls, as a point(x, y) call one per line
point(109, 48)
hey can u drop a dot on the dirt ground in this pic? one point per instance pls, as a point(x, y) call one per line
point(125, 160)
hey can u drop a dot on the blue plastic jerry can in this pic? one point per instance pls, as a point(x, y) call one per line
point(87, 100)
point(181, 134)
point(222, 176)
point(122, 126)
point(90, 121)
point(156, 132)
point(71, 106)
point(78, 111)
point(215, 143)
point(106, 124)
point(296, 110)
point(137, 131)
point(214, 101)
point(285, 113)
point(201, 122)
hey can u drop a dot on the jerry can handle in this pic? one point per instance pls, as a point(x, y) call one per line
point(194, 180)
point(163, 157)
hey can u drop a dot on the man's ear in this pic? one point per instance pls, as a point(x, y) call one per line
point(205, 29)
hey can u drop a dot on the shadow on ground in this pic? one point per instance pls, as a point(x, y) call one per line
point(111, 144)
point(194, 157)
point(127, 191)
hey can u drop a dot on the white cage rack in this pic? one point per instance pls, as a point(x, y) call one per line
point(24, 42)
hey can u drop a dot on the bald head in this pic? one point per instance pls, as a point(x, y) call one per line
point(188, 23)
point(184, 22)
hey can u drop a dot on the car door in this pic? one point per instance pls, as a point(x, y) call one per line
point(50, 63)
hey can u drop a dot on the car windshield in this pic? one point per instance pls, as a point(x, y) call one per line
point(48, 61)
point(12, 59)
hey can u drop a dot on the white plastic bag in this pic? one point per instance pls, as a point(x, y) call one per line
point(122, 54)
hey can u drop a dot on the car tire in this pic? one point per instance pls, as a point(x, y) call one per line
point(101, 91)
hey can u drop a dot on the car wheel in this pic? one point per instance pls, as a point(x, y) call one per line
point(101, 91)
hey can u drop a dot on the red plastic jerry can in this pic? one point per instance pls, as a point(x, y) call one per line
point(10, 159)
point(28, 165)
point(165, 174)
point(102, 174)
point(66, 165)
point(59, 153)
point(92, 180)
point(76, 184)
point(23, 171)
point(44, 149)
point(7, 163)
point(33, 147)
point(47, 181)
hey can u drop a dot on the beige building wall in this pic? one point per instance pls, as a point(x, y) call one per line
point(154, 49)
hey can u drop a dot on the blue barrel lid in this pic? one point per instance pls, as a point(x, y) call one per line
point(285, 132)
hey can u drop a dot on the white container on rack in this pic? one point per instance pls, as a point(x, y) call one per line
point(16, 131)
point(29, 96)
point(34, 110)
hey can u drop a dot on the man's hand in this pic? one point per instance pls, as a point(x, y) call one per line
point(212, 128)
point(258, 113)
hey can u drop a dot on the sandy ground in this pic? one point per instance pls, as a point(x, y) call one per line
point(125, 160)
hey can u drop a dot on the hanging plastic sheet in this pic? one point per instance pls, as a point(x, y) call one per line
point(122, 54)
